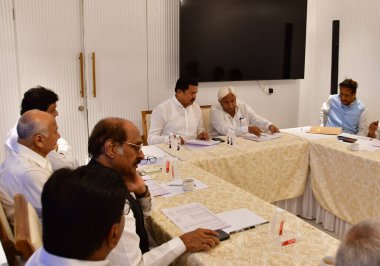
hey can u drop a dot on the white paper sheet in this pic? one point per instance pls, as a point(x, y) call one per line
point(175, 186)
point(192, 216)
point(202, 142)
point(240, 220)
point(156, 189)
point(263, 137)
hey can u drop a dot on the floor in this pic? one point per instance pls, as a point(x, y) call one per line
point(320, 227)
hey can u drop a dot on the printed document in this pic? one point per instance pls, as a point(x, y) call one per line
point(193, 216)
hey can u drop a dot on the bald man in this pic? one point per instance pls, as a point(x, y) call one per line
point(26, 169)
point(231, 113)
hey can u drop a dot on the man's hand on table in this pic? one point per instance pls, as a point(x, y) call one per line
point(200, 240)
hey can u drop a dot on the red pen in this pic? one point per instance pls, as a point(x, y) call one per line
point(167, 166)
point(281, 228)
point(288, 242)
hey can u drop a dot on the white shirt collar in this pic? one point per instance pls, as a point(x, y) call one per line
point(25, 151)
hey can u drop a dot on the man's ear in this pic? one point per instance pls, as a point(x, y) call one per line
point(114, 235)
point(38, 140)
point(110, 148)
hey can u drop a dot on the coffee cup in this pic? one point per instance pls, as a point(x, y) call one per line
point(328, 261)
point(354, 146)
point(188, 184)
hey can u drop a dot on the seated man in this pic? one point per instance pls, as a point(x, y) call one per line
point(373, 130)
point(82, 218)
point(115, 144)
point(361, 245)
point(26, 168)
point(344, 110)
point(44, 100)
point(178, 115)
point(230, 113)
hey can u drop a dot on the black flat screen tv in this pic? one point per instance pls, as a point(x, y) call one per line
point(229, 40)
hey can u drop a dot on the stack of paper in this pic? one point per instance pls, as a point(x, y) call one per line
point(193, 216)
point(201, 142)
point(263, 137)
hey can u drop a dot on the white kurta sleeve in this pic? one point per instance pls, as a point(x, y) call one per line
point(157, 124)
point(127, 251)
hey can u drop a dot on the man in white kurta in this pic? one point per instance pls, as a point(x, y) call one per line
point(229, 113)
point(178, 115)
point(26, 169)
point(45, 100)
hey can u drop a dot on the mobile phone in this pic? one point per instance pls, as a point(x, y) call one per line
point(222, 235)
point(347, 139)
point(218, 139)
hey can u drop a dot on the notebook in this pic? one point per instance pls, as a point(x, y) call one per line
point(325, 130)
point(240, 220)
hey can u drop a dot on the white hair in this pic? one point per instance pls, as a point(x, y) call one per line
point(361, 245)
point(223, 92)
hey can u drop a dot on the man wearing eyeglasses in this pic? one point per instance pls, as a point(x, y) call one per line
point(178, 115)
point(116, 144)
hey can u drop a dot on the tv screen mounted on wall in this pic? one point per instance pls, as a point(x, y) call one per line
point(228, 40)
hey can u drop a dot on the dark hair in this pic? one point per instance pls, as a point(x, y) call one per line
point(38, 98)
point(105, 129)
point(79, 207)
point(184, 83)
point(350, 84)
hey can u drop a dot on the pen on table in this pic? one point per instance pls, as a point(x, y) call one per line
point(178, 185)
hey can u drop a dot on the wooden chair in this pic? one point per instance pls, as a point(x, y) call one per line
point(7, 239)
point(206, 110)
point(28, 231)
point(145, 118)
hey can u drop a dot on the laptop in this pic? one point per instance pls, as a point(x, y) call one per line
point(325, 130)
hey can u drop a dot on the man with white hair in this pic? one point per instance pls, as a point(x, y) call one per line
point(361, 245)
point(26, 168)
point(231, 113)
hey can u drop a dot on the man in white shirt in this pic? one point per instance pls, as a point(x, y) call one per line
point(116, 144)
point(178, 115)
point(82, 218)
point(373, 130)
point(26, 168)
point(45, 100)
point(230, 113)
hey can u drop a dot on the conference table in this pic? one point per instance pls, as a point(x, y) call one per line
point(251, 247)
point(272, 170)
point(344, 182)
point(311, 175)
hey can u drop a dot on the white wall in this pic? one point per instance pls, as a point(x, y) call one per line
point(359, 54)
point(163, 57)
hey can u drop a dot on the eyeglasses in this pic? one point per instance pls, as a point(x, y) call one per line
point(150, 159)
point(137, 147)
point(127, 207)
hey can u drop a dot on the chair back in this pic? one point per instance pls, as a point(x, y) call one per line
point(206, 110)
point(145, 118)
point(7, 238)
point(28, 231)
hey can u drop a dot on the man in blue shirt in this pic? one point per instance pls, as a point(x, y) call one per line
point(344, 110)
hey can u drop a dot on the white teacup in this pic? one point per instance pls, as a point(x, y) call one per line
point(328, 261)
point(354, 146)
point(188, 184)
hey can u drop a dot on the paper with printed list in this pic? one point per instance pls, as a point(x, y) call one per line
point(192, 216)
point(263, 137)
